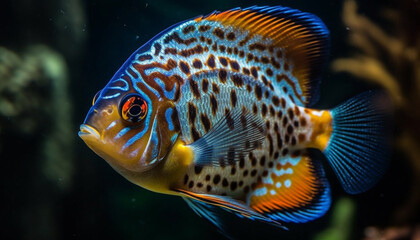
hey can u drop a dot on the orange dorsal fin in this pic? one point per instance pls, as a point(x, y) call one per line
point(295, 44)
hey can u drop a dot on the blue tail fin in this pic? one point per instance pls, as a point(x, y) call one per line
point(358, 150)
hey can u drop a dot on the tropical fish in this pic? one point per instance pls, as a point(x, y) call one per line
point(217, 110)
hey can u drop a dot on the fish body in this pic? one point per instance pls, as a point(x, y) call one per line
point(217, 109)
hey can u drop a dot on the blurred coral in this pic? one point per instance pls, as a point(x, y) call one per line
point(33, 92)
point(389, 55)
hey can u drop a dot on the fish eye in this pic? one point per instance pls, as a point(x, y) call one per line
point(96, 97)
point(133, 108)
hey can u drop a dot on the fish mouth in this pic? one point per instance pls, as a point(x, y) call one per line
point(88, 131)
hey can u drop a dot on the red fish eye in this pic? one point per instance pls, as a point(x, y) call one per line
point(133, 108)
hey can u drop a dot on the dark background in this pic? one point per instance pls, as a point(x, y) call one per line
point(94, 38)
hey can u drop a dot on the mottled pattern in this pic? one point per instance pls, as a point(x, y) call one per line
point(209, 67)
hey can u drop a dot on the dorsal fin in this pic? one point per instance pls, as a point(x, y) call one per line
point(302, 38)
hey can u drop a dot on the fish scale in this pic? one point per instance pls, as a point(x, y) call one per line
point(216, 110)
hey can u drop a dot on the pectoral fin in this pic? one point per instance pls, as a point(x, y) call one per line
point(232, 137)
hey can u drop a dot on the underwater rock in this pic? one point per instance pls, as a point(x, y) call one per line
point(34, 104)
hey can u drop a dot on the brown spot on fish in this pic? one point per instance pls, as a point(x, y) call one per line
point(271, 164)
point(185, 179)
point(244, 41)
point(246, 71)
point(225, 182)
point(213, 104)
point(158, 47)
point(254, 109)
point(233, 170)
point(233, 98)
point(199, 185)
point(223, 61)
point(258, 92)
point(188, 29)
point(234, 65)
point(231, 156)
point(172, 51)
point(240, 183)
point(222, 75)
point(289, 129)
point(296, 123)
point(214, 47)
point(198, 169)
point(293, 141)
point(210, 61)
point(205, 85)
point(248, 88)
point(245, 173)
point(197, 64)
point(265, 173)
point(285, 152)
point(269, 72)
point(208, 177)
point(208, 188)
point(253, 159)
point(276, 155)
point(229, 120)
point(144, 57)
point(191, 51)
point(275, 63)
point(222, 48)
point(253, 173)
point(192, 113)
point(272, 111)
point(219, 33)
point(265, 60)
point(257, 46)
point(262, 161)
point(237, 80)
point(233, 185)
point(241, 54)
point(235, 50)
point(249, 57)
point(194, 88)
point(191, 184)
point(203, 28)
point(230, 36)
point(264, 110)
point(209, 41)
point(194, 134)
point(184, 67)
point(283, 103)
point(290, 113)
point(279, 141)
point(301, 137)
point(271, 147)
point(229, 50)
point(216, 179)
point(241, 161)
point(254, 72)
point(205, 121)
point(215, 88)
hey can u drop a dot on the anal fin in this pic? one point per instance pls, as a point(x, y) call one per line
point(199, 203)
point(295, 191)
point(233, 136)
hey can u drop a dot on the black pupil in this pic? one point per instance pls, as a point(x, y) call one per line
point(135, 110)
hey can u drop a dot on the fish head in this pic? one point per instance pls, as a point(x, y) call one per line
point(127, 126)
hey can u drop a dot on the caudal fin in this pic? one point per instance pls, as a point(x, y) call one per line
point(358, 150)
